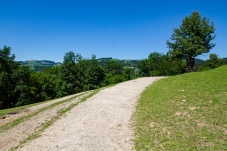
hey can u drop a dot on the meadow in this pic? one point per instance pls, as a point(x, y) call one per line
point(183, 112)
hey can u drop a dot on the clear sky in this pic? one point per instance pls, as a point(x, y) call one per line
point(123, 29)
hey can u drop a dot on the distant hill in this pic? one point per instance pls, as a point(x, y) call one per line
point(39, 65)
point(125, 62)
point(103, 61)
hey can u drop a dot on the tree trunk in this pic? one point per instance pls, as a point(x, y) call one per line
point(190, 63)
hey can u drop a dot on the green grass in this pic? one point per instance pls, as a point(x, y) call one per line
point(184, 112)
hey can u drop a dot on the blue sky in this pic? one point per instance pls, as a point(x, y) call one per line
point(123, 29)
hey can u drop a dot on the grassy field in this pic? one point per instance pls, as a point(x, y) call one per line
point(184, 112)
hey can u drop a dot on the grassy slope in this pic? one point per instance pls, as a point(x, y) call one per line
point(184, 112)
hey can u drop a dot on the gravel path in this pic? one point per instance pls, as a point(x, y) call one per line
point(12, 117)
point(100, 123)
point(12, 137)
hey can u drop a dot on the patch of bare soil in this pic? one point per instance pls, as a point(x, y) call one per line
point(100, 123)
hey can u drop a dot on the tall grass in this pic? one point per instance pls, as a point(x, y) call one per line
point(184, 112)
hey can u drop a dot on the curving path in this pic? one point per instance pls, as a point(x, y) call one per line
point(100, 123)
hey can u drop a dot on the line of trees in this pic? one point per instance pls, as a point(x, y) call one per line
point(20, 85)
point(212, 62)
point(158, 64)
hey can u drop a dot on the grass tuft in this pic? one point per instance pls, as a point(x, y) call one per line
point(184, 112)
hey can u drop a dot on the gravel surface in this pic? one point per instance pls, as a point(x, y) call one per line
point(12, 117)
point(12, 137)
point(100, 123)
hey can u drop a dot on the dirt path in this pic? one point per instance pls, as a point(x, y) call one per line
point(100, 123)
point(12, 137)
point(12, 117)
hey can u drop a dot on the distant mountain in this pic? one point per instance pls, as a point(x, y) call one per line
point(103, 61)
point(39, 65)
point(125, 62)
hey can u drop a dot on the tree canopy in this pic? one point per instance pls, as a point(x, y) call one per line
point(192, 38)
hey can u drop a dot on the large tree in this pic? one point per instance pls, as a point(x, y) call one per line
point(191, 39)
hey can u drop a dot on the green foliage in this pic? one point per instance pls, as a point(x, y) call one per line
point(22, 93)
point(211, 63)
point(192, 38)
point(184, 112)
point(20, 85)
point(144, 68)
point(161, 65)
point(113, 67)
point(130, 73)
point(69, 73)
point(113, 72)
point(7, 82)
point(224, 60)
point(94, 75)
point(80, 74)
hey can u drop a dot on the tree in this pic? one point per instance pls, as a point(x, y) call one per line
point(191, 39)
point(95, 74)
point(82, 66)
point(171, 66)
point(211, 63)
point(113, 72)
point(154, 60)
point(224, 60)
point(144, 68)
point(7, 67)
point(54, 74)
point(69, 73)
point(114, 67)
point(22, 93)
point(129, 73)
point(160, 65)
